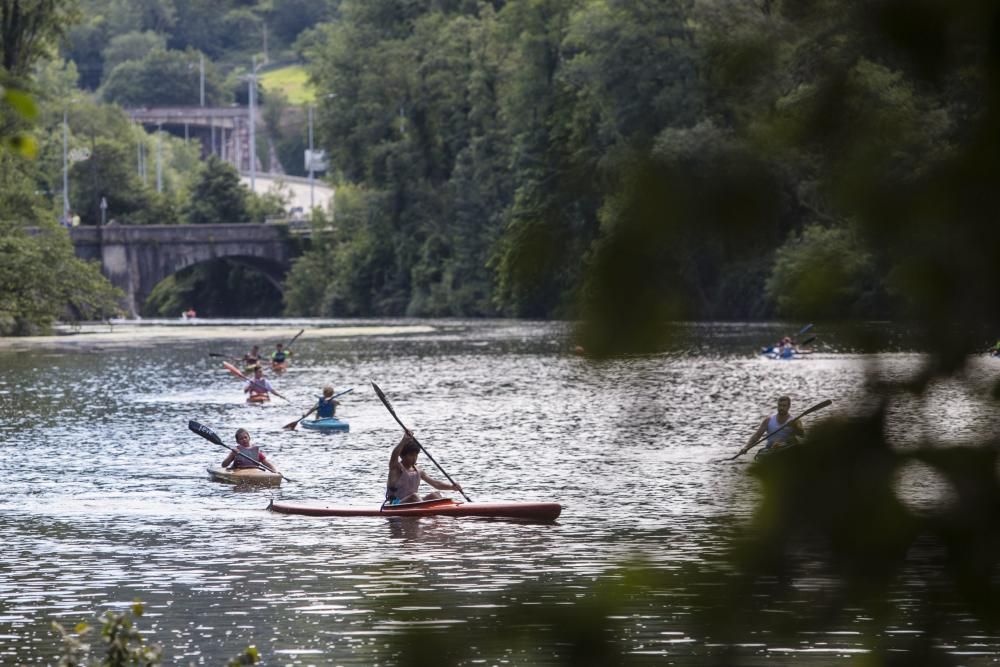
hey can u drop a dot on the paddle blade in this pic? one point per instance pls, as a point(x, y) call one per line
point(291, 425)
point(382, 397)
point(205, 432)
point(804, 329)
point(232, 369)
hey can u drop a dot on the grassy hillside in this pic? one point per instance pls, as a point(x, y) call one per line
point(292, 81)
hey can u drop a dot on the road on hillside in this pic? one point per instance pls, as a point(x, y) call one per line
point(295, 189)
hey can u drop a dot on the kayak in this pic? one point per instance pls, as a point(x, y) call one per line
point(440, 507)
point(258, 398)
point(329, 425)
point(782, 356)
point(279, 366)
point(767, 457)
point(244, 476)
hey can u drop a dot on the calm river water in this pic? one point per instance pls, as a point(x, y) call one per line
point(106, 499)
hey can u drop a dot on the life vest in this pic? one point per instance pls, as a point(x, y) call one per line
point(242, 462)
point(325, 409)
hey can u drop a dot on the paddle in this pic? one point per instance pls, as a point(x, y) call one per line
point(818, 406)
point(291, 425)
point(388, 406)
point(235, 371)
point(211, 436)
point(288, 345)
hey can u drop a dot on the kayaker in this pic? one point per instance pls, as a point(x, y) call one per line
point(280, 355)
point(245, 455)
point(258, 386)
point(778, 434)
point(405, 476)
point(327, 405)
point(251, 358)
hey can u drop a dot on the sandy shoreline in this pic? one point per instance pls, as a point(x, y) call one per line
point(133, 333)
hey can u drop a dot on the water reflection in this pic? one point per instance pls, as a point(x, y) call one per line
point(107, 499)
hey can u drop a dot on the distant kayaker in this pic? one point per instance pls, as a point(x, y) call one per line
point(405, 476)
point(778, 434)
point(245, 455)
point(280, 354)
point(251, 358)
point(258, 387)
point(327, 407)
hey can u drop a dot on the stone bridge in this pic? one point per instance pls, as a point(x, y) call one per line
point(137, 257)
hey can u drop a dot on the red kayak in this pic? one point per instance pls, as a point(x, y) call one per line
point(440, 507)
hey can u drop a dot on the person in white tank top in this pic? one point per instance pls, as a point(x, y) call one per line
point(405, 476)
point(778, 433)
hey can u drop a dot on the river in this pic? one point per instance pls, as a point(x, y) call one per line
point(107, 500)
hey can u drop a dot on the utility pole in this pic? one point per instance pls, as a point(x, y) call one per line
point(65, 168)
point(253, 118)
point(201, 62)
point(312, 179)
point(159, 158)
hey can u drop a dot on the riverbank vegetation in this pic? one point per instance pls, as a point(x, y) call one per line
point(686, 159)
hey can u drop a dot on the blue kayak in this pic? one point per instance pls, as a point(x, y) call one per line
point(330, 425)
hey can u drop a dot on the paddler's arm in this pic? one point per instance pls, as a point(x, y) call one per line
point(761, 430)
point(229, 460)
point(442, 486)
point(797, 429)
point(265, 462)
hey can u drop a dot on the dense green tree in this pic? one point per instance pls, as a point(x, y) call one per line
point(163, 77)
point(217, 195)
point(40, 277)
point(29, 30)
point(131, 46)
point(84, 47)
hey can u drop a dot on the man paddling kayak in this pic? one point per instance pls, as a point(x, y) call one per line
point(244, 455)
point(780, 433)
point(405, 476)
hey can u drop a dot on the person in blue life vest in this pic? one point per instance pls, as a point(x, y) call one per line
point(779, 432)
point(327, 407)
point(405, 476)
point(245, 455)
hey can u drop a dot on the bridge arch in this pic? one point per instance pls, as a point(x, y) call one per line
point(136, 258)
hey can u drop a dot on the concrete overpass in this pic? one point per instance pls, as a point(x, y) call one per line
point(137, 257)
point(222, 131)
